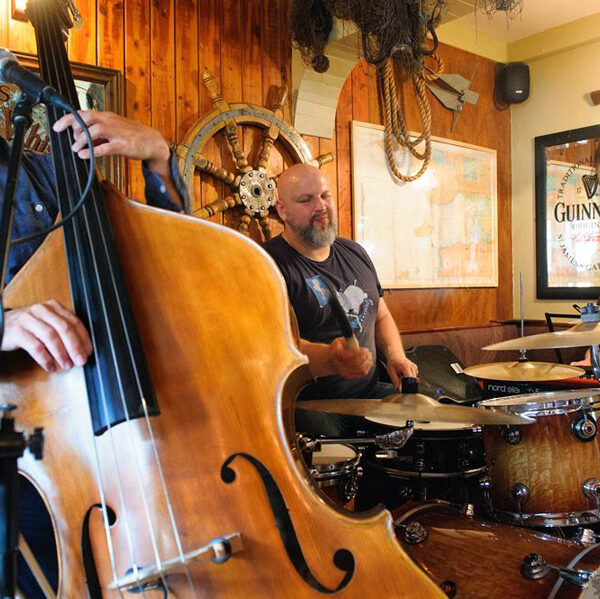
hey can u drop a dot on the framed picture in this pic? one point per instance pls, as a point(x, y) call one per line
point(568, 214)
point(97, 88)
point(437, 231)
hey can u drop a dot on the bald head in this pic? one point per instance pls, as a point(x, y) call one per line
point(296, 178)
point(305, 205)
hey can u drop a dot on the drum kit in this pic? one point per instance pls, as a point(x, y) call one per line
point(499, 500)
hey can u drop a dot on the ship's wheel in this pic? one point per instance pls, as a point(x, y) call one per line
point(252, 190)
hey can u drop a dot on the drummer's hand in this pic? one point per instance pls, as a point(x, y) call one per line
point(52, 335)
point(349, 362)
point(113, 134)
point(399, 367)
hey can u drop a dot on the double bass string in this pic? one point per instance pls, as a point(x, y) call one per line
point(135, 450)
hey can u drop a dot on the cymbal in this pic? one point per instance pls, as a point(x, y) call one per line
point(581, 335)
point(524, 371)
point(411, 406)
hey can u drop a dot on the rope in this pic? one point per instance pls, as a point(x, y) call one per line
point(394, 122)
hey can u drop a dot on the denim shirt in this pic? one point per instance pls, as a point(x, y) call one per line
point(37, 206)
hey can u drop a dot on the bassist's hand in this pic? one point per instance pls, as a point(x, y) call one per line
point(52, 335)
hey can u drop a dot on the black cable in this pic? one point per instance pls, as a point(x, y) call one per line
point(83, 197)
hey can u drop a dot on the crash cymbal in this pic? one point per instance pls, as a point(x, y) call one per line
point(411, 406)
point(524, 371)
point(581, 335)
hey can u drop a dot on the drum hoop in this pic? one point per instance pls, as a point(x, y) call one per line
point(393, 473)
point(559, 582)
point(550, 519)
point(334, 470)
point(563, 404)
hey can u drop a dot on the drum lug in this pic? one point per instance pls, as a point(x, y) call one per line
point(584, 427)
point(591, 488)
point(414, 533)
point(534, 567)
point(512, 434)
point(520, 493)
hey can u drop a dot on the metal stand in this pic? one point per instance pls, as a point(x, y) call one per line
point(12, 446)
point(21, 120)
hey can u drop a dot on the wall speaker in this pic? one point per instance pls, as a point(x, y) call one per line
point(512, 83)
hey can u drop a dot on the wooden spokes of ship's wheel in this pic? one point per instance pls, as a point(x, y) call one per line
point(251, 188)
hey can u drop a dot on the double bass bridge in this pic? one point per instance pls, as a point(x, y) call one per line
point(217, 551)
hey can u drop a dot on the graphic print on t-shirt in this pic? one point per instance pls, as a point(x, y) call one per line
point(354, 300)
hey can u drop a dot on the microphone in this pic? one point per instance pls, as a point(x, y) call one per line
point(12, 72)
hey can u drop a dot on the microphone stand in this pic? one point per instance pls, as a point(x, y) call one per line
point(12, 443)
point(21, 120)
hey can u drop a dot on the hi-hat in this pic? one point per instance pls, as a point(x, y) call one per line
point(524, 371)
point(411, 406)
point(581, 335)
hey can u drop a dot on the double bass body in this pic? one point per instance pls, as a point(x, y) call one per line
point(213, 319)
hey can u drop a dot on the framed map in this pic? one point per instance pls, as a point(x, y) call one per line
point(437, 231)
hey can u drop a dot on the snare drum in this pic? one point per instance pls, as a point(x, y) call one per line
point(546, 473)
point(334, 467)
point(440, 461)
point(471, 558)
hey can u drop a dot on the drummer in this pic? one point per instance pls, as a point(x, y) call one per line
point(312, 259)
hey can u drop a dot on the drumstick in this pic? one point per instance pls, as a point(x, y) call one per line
point(340, 315)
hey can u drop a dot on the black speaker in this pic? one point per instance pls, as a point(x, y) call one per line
point(512, 83)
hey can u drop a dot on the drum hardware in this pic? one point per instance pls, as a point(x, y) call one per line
point(512, 435)
point(411, 406)
point(584, 427)
point(413, 533)
point(535, 567)
point(520, 493)
point(585, 333)
point(585, 536)
point(591, 489)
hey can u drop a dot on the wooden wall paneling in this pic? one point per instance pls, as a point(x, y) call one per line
point(271, 65)
point(110, 27)
point(285, 37)
point(344, 183)
point(138, 91)
point(187, 82)
point(20, 35)
point(206, 189)
point(4, 17)
point(360, 92)
point(162, 48)
point(82, 42)
point(330, 169)
point(374, 104)
point(231, 80)
point(251, 74)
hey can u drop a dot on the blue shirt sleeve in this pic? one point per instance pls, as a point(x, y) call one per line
point(156, 191)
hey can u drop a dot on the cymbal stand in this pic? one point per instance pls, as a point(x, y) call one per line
point(12, 446)
point(522, 352)
point(396, 439)
point(590, 313)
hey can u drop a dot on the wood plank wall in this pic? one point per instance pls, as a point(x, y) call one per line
point(161, 48)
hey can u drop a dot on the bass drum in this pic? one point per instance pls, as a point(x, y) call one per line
point(472, 559)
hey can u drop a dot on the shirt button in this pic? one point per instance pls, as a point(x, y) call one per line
point(38, 207)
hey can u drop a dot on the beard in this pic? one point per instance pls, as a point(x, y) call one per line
point(314, 235)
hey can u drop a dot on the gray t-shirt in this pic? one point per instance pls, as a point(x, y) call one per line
point(349, 270)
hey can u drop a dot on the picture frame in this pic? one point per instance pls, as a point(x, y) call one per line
point(567, 199)
point(98, 88)
point(18, 10)
point(435, 232)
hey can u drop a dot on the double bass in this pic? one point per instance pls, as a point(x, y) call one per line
point(170, 467)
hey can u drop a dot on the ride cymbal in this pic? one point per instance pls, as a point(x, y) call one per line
point(524, 371)
point(581, 335)
point(411, 406)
